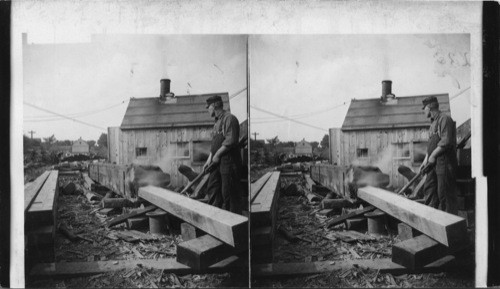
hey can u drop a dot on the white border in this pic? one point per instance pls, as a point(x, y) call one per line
point(60, 19)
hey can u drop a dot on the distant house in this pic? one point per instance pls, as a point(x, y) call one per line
point(303, 148)
point(80, 147)
point(386, 132)
point(166, 132)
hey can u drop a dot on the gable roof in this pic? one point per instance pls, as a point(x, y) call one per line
point(185, 110)
point(401, 112)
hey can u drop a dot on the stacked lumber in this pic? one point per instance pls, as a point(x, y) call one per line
point(40, 215)
point(226, 232)
point(264, 200)
point(442, 233)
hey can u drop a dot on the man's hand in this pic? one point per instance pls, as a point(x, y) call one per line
point(431, 160)
point(216, 159)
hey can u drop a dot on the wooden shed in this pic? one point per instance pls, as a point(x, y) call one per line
point(385, 132)
point(165, 133)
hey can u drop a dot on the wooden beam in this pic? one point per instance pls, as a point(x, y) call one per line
point(384, 265)
point(201, 186)
point(225, 226)
point(43, 209)
point(335, 203)
point(256, 186)
point(417, 252)
point(123, 218)
point(116, 203)
point(420, 186)
point(263, 208)
point(80, 269)
point(448, 229)
point(342, 218)
point(201, 252)
point(31, 189)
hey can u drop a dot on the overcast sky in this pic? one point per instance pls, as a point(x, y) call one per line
point(93, 81)
point(312, 78)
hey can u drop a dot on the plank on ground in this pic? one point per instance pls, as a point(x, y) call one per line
point(384, 265)
point(31, 189)
point(417, 252)
point(448, 229)
point(225, 226)
point(79, 269)
point(201, 252)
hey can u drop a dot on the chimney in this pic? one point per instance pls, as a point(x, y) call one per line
point(165, 95)
point(386, 90)
point(164, 87)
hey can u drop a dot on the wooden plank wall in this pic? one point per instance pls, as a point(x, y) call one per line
point(330, 176)
point(115, 177)
point(381, 149)
point(161, 146)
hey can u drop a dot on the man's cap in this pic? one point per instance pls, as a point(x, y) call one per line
point(428, 100)
point(213, 99)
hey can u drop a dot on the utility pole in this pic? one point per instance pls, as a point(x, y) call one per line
point(31, 132)
point(255, 136)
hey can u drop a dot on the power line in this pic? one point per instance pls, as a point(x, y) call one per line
point(237, 93)
point(302, 115)
point(290, 119)
point(458, 94)
point(61, 115)
point(78, 114)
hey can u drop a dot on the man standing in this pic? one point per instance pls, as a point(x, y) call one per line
point(440, 161)
point(224, 160)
